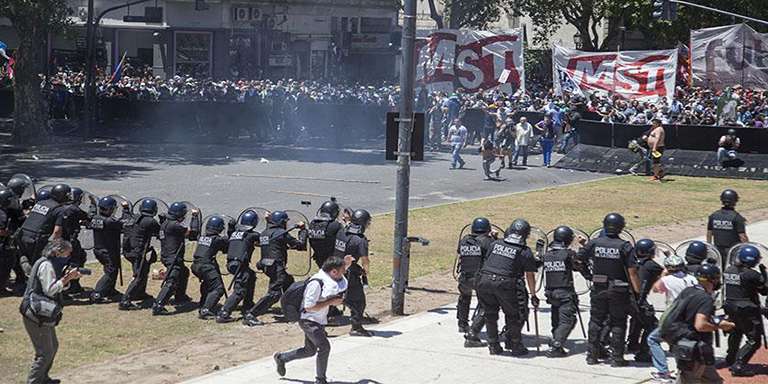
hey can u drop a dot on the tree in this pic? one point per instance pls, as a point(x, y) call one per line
point(476, 14)
point(33, 21)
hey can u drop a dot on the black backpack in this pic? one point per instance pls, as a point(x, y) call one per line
point(293, 297)
point(670, 327)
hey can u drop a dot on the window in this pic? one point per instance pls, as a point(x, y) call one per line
point(193, 53)
point(375, 24)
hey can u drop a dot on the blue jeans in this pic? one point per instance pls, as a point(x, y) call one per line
point(521, 149)
point(546, 149)
point(456, 159)
point(572, 135)
point(659, 357)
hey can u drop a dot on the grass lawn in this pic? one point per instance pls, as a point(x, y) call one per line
point(96, 333)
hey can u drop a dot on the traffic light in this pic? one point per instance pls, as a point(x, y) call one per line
point(664, 10)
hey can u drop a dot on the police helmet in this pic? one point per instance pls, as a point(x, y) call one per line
point(279, 218)
point(17, 185)
point(214, 225)
point(696, 253)
point(674, 263)
point(331, 209)
point(729, 198)
point(613, 224)
point(361, 217)
point(148, 206)
point(645, 248)
point(77, 195)
point(749, 256)
point(177, 211)
point(563, 235)
point(61, 193)
point(732, 132)
point(107, 205)
point(249, 219)
point(481, 225)
point(43, 195)
point(710, 273)
point(518, 232)
point(6, 197)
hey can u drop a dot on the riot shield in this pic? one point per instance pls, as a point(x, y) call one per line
point(187, 222)
point(580, 284)
point(664, 250)
point(118, 212)
point(344, 213)
point(29, 186)
point(538, 242)
point(625, 235)
point(299, 262)
point(261, 212)
point(88, 204)
point(713, 255)
point(733, 253)
point(162, 206)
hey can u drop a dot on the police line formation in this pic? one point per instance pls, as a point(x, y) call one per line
point(618, 273)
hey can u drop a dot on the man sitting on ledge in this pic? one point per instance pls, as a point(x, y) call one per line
point(726, 151)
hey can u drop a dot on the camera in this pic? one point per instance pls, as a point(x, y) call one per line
point(84, 271)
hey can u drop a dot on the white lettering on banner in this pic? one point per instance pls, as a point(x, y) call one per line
point(641, 75)
point(471, 250)
point(554, 266)
point(205, 240)
point(508, 252)
point(607, 253)
point(41, 209)
point(237, 235)
point(473, 60)
point(722, 224)
point(732, 278)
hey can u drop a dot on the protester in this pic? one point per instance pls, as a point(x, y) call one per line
point(523, 137)
point(457, 135)
point(727, 146)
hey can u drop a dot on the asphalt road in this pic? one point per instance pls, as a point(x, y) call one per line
point(226, 179)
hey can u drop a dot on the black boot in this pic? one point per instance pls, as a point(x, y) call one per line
point(495, 348)
point(741, 370)
point(555, 352)
point(472, 341)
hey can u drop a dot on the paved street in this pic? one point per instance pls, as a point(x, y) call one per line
point(425, 348)
point(227, 179)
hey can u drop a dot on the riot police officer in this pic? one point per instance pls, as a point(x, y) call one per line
point(73, 218)
point(696, 254)
point(471, 250)
point(106, 246)
point(558, 266)
point(501, 286)
point(726, 226)
point(45, 219)
point(139, 230)
point(352, 241)
point(7, 259)
point(206, 268)
point(275, 242)
point(644, 320)
point(743, 285)
point(614, 279)
point(241, 245)
point(172, 236)
point(322, 232)
point(15, 219)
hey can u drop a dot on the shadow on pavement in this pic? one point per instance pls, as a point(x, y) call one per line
point(363, 381)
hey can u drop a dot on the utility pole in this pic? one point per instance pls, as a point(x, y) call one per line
point(401, 257)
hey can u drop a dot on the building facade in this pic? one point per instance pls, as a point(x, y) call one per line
point(301, 39)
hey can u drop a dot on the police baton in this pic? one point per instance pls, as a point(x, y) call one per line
point(536, 326)
point(237, 273)
point(581, 322)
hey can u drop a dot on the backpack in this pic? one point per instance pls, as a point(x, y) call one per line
point(293, 299)
point(670, 328)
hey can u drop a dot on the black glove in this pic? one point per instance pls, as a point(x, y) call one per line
point(161, 217)
point(535, 301)
point(540, 245)
point(763, 270)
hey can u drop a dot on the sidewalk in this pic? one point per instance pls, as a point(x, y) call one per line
point(426, 348)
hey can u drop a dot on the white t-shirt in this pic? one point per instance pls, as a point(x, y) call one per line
point(675, 283)
point(312, 296)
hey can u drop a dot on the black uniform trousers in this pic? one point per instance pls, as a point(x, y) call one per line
point(30, 249)
point(137, 288)
point(501, 292)
point(279, 281)
point(175, 282)
point(641, 324)
point(355, 297)
point(110, 262)
point(467, 284)
point(211, 284)
point(610, 304)
point(245, 283)
point(749, 323)
point(564, 306)
point(7, 261)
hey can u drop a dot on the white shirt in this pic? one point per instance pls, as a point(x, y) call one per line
point(457, 135)
point(675, 283)
point(524, 133)
point(312, 296)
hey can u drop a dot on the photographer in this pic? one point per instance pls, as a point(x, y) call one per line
point(42, 305)
point(727, 147)
point(688, 327)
